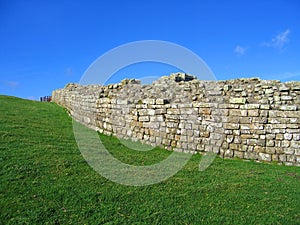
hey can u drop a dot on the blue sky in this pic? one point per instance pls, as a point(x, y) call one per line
point(46, 44)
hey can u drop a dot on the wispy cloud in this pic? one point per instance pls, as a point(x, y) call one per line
point(286, 76)
point(12, 84)
point(69, 71)
point(279, 41)
point(32, 98)
point(239, 50)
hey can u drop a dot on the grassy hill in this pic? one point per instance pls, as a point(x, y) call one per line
point(45, 180)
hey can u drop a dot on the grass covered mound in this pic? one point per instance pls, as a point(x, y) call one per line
point(45, 180)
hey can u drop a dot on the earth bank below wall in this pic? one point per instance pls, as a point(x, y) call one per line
point(244, 118)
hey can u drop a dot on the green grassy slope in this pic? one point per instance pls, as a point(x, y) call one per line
point(45, 180)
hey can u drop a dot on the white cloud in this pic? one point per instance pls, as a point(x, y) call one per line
point(279, 41)
point(239, 50)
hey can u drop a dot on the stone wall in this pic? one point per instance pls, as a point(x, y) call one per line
point(244, 118)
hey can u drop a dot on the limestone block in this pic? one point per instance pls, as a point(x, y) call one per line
point(292, 126)
point(157, 118)
point(231, 126)
point(214, 93)
point(285, 144)
point(205, 111)
point(251, 106)
point(122, 101)
point(150, 112)
point(149, 101)
point(289, 151)
point(259, 149)
point(215, 136)
point(250, 155)
point(204, 105)
point(195, 126)
point(172, 117)
point(190, 133)
point(236, 132)
point(270, 150)
point(291, 158)
point(160, 111)
point(257, 126)
point(247, 136)
point(188, 126)
point(236, 112)
point(238, 89)
point(264, 157)
point(288, 107)
point(270, 143)
point(269, 91)
point(266, 107)
point(237, 140)
point(292, 131)
point(143, 112)
point(231, 119)
point(295, 144)
point(246, 126)
point(283, 89)
point(196, 133)
point(296, 137)
point(173, 111)
point(239, 154)
point(296, 88)
point(294, 120)
point(141, 106)
point(234, 146)
point(171, 124)
point(286, 98)
point(219, 112)
point(185, 105)
point(204, 134)
point(288, 136)
point(238, 100)
point(144, 118)
point(253, 112)
point(154, 125)
point(274, 157)
point(228, 153)
point(282, 158)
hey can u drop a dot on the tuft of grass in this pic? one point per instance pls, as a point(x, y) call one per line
point(45, 180)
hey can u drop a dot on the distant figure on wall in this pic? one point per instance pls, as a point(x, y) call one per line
point(45, 99)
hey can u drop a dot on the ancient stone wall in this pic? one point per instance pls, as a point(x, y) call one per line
point(244, 118)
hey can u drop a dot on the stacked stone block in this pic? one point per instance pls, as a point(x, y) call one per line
point(244, 118)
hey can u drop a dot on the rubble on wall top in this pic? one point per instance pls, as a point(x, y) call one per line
point(187, 79)
point(130, 81)
point(178, 77)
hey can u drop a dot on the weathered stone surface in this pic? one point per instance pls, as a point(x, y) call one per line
point(231, 126)
point(160, 101)
point(246, 118)
point(265, 157)
point(288, 107)
point(144, 118)
point(286, 98)
point(269, 91)
point(238, 100)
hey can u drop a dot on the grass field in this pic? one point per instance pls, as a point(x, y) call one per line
point(45, 180)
